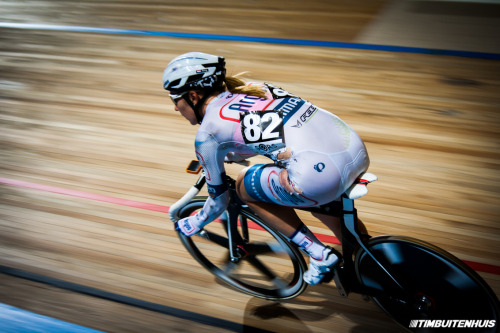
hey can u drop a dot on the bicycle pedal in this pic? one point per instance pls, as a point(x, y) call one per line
point(203, 234)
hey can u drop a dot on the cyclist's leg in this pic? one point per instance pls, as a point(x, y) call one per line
point(265, 188)
point(333, 223)
point(284, 218)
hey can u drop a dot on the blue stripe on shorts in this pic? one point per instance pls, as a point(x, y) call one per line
point(252, 182)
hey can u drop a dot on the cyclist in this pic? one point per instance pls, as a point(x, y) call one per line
point(315, 155)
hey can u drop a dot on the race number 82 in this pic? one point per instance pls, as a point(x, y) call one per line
point(262, 126)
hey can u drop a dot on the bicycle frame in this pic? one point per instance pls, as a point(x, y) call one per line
point(233, 211)
point(352, 238)
point(396, 272)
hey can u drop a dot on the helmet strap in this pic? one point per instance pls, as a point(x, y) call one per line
point(197, 108)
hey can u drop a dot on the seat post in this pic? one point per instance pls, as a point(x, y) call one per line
point(350, 216)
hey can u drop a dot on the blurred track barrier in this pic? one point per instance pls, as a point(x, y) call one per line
point(287, 41)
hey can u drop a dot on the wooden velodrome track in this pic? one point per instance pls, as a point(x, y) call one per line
point(87, 133)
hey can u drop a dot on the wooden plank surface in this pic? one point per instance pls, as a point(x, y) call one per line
point(86, 112)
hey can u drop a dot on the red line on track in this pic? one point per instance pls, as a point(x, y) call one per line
point(164, 209)
point(85, 195)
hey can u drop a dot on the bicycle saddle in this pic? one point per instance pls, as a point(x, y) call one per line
point(359, 189)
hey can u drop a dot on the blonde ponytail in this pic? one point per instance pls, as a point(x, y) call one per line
point(236, 85)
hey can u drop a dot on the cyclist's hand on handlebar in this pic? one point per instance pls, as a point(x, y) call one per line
point(187, 226)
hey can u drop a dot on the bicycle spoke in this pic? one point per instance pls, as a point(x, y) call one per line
point(264, 248)
point(278, 282)
point(255, 262)
point(214, 238)
point(229, 267)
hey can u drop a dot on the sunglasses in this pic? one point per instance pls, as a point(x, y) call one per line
point(175, 98)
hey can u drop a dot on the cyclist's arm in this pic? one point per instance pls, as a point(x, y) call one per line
point(212, 160)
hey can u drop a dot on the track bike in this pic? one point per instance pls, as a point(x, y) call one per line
point(412, 281)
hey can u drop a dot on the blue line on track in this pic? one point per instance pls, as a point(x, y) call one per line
point(15, 320)
point(286, 41)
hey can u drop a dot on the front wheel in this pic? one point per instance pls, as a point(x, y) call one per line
point(439, 287)
point(269, 266)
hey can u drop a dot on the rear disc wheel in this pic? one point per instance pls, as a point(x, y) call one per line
point(439, 285)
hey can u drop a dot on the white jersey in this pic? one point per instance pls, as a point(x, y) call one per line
point(326, 154)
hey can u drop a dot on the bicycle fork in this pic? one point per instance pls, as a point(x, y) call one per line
point(232, 232)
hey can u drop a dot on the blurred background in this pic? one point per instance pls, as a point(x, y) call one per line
point(92, 152)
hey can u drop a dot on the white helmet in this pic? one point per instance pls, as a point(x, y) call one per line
point(194, 70)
